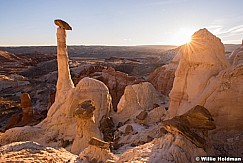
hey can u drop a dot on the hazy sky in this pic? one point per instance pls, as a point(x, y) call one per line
point(118, 22)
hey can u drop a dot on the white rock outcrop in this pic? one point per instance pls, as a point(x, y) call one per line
point(98, 151)
point(204, 77)
point(136, 98)
point(200, 60)
point(169, 148)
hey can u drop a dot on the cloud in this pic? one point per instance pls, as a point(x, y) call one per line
point(235, 29)
point(166, 2)
point(231, 34)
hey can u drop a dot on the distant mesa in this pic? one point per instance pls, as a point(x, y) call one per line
point(62, 24)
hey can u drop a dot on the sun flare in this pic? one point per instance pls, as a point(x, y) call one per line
point(183, 36)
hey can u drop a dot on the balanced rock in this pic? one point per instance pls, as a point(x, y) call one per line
point(198, 118)
point(99, 143)
point(62, 24)
point(62, 122)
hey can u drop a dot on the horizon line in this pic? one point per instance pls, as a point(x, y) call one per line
point(90, 45)
point(102, 45)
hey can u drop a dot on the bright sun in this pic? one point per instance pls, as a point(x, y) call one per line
point(183, 36)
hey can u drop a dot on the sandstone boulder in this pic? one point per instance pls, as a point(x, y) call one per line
point(223, 98)
point(191, 125)
point(169, 148)
point(117, 81)
point(136, 98)
point(97, 151)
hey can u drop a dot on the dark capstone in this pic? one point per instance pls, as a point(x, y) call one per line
point(192, 124)
point(99, 143)
point(62, 24)
point(85, 109)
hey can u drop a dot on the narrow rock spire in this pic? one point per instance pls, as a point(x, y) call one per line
point(64, 82)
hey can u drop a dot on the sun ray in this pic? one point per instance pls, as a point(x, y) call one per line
point(183, 36)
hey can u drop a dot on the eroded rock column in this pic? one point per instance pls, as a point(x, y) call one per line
point(27, 109)
point(86, 127)
point(64, 82)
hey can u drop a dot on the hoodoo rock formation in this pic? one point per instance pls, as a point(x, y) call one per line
point(59, 128)
point(27, 109)
point(25, 117)
point(200, 60)
point(204, 77)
